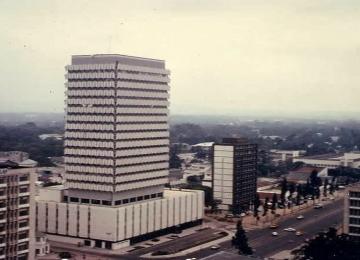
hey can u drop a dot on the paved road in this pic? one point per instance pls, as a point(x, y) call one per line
point(266, 245)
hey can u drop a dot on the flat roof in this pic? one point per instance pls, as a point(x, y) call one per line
point(123, 59)
point(328, 156)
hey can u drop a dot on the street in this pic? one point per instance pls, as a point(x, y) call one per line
point(265, 245)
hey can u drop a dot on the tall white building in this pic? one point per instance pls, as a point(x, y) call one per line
point(117, 136)
point(116, 157)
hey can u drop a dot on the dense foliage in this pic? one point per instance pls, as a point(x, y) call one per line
point(328, 245)
point(26, 138)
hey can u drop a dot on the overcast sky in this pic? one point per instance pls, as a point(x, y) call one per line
point(225, 57)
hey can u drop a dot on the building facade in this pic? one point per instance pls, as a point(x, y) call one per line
point(352, 211)
point(234, 174)
point(117, 135)
point(17, 214)
point(332, 161)
point(116, 157)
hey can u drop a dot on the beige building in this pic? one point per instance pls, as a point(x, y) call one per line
point(116, 157)
point(17, 213)
point(332, 161)
point(352, 211)
point(117, 226)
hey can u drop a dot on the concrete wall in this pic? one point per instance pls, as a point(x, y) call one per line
point(122, 222)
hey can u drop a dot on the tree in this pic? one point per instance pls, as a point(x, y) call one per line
point(175, 161)
point(274, 203)
point(329, 245)
point(284, 188)
point(332, 187)
point(257, 204)
point(240, 240)
point(326, 182)
point(266, 206)
point(215, 205)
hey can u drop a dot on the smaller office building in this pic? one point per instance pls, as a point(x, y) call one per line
point(234, 174)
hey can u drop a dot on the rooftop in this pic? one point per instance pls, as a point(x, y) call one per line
point(123, 59)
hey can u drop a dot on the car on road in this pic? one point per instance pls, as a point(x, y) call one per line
point(290, 229)
point(215, 247)
point(275, 234)
point(318, 206)
point(299, 233)
point(273, 226)
point(300, 217)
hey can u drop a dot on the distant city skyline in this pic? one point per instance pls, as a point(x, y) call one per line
point(261, 58)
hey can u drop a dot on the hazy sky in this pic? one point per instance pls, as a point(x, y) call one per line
point(225, 57)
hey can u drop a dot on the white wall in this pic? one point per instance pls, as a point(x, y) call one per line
point(123, 222)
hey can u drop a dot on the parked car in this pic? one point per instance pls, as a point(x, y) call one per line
point(300, 217)
point(275, 234)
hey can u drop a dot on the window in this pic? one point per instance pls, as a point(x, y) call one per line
point(355, 212)
point(95, 202)
point(118, 202)
point(153, 196)
point(2, 192)
point(24, 200)
point(23, 189)
point(140, 198)
point(147, 197)
point(24, 212)
point(106, 202)
point(132, 199)
point(355, 203)
point(23, 235)
point(73, 199)
point(354, 230)
point(85, 201)
point(22, 246)
point(354, 194)
point(23, 224)
point(125, 201)
point(65, 198)
point(24, 178)
point(355, 221)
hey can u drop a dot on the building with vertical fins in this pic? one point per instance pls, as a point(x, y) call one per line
point(17, 208)
point(116, 156)
point(234, 174)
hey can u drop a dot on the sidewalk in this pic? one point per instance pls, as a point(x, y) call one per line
point(250, 223)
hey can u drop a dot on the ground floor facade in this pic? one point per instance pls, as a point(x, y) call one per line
point(114, 227)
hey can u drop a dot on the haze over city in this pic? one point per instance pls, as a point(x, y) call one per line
point(226, 57)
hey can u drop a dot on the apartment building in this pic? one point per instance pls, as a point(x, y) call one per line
point(16, 214)
point(234, 174)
